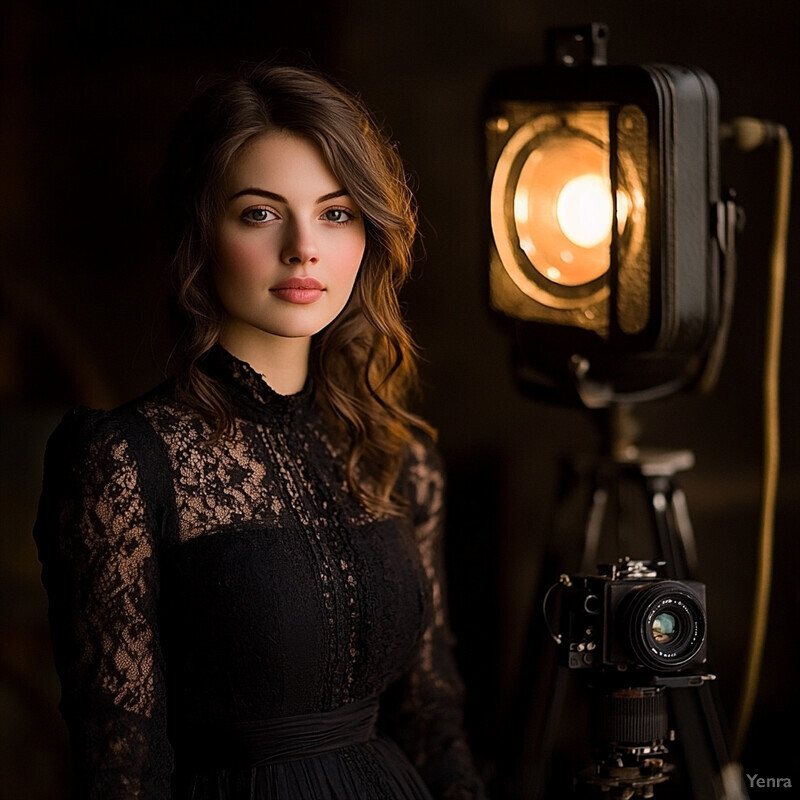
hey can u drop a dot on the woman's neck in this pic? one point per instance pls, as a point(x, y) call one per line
point(282, 361)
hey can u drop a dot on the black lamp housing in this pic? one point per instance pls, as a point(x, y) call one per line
point(606, 222)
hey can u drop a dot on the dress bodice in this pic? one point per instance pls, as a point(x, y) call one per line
point(201, 585)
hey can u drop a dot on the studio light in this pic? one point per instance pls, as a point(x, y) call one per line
point(608, 233)
point(612, 256)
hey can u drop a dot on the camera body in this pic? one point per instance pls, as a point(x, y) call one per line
point(626, 617)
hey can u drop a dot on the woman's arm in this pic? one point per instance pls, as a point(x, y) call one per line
point(99, 560)
point(425, 708)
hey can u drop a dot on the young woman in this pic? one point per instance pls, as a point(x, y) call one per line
point(244, 566)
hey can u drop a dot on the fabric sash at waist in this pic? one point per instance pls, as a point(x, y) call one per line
point(273, 741)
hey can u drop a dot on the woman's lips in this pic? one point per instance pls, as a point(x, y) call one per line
point(298, 290)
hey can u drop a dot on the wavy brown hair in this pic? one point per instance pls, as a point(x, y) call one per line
point(364, 363)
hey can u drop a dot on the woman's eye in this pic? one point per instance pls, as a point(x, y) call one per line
point(257, 215)
point(338, 215)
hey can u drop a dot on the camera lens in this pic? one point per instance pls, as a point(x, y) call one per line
point(664, 628)
point(665, 625)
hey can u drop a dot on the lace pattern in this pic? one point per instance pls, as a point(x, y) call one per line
point(275, 594)
point(103, 586)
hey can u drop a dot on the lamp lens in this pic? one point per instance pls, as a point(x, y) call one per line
point(584, 210)
point(563, 208)
point(567, 207)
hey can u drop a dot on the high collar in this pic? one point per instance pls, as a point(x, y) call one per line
point(253, 397)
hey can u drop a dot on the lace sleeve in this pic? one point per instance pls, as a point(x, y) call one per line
point(100, 570)
point(424, 709)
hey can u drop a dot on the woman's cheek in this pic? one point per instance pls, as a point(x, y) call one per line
point(240, 260)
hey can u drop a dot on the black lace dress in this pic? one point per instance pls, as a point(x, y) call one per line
point(228, 622)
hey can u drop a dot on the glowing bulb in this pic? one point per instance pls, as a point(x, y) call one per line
point(585, 210)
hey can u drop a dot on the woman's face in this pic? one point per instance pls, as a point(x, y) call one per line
point(289, 243)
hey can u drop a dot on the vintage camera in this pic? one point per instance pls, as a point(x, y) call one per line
point(627, 617)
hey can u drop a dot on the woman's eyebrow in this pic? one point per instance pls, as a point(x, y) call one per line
point(332, 195)
point(279, 198)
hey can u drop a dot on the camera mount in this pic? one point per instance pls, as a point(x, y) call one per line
point(650, 724)
point(631, 634)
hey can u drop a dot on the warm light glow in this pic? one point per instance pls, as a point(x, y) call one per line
point(521, 206)
point(562, 205)
point(585, 209)
point(554, 206)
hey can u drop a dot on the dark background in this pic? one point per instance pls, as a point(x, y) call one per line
point(88, 92)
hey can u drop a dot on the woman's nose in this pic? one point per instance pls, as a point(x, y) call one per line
point(299, 244)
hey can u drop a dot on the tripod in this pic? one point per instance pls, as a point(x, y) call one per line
point(626, 480)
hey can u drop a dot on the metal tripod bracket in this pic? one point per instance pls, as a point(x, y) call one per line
point(654, 470)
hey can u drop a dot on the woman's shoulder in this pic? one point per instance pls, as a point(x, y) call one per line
point(82, 430)
point(86, 434)
point(88, 462)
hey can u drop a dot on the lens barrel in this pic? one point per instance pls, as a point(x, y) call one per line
point(665, 624)
point(630, 718)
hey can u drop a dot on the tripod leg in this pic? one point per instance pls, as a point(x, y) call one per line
point(536, 769)
point(683, 525)
point(671, 546)
point(704, 751)
point(696, 711)
point(594, 527)
point(543, 684)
